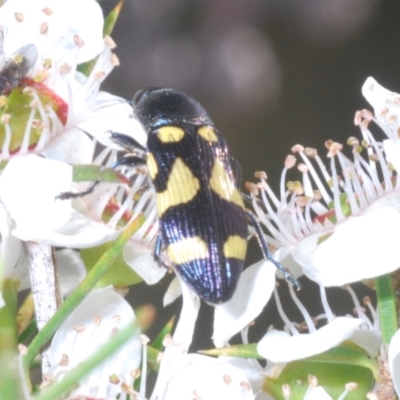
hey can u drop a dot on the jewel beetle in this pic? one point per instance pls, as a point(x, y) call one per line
point(202, 216)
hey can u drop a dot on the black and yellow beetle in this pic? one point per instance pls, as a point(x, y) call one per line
point(202, 217)
point(203, 220)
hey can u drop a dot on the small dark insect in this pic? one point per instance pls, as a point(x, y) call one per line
point(15, 69)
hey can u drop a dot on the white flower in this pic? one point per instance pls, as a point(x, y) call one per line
point(207, 378)
point(29, 186)
point(52, 24)
point(91, 325)
point(340, 227)
point(58, 102)
point(70, 269)
point(294, 344)
point(254, 289)
point(13, 265)
point(394, 360)
point(387, 116)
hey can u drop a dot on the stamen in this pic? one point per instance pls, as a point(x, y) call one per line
point(294, 217)
point(286, 391)
point(312, 381)
point(5, 118)
point(336, 193)
point(303, 310)
point(385, 172)
point(244, 334)
point(349, 387)
point(19, 17)
point(360, 313)
point(328, 312)
point(288, 324)
point(44, 28)
point(142, 388)
point(47, 10)
point(78, 41)
point(114, 60)
point(327, 198)
point(348, 184)
point(109, 41)
point(64, 69)
point(372, 310)
point(27, 134)
point(282, 233)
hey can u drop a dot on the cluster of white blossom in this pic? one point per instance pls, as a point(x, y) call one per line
point(335, 227)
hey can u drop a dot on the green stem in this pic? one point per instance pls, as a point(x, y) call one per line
point(105, 262)
point(9, 380)
point(70, 380)
point(386, 307)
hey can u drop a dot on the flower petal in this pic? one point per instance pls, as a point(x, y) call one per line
point(141, 259)
point(379, 97)
point(350, 254)
point(369, 340)
point(84, 332)
point(79, 232)
point(28, 187)
point(207, 378)
point(253, 291)
point(317, 393)
point(392, 152)
point(173, 292)
point(279, 346)
point(72, 147)
point(394, 360)
point(109, 112)
point(67, 20)
point(71, 270)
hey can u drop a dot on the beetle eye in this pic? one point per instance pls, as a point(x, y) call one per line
point(138, 95)
point(143, 93)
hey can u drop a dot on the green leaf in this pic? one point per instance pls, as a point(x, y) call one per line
point(331, 376)
point(92, 173)
point(28, 332)
point(386, 301)
point(109, 24)
point(333, 369)
point(9, 380)
point(152, 357)
point(166, 330)
point(111, 19)
point(240, 351)
point(119, 274)
point(346, 354)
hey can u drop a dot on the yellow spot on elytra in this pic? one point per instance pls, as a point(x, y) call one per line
point(207, 133)
point(186, 250)
point(170, 134)
point(152, 166)
point(223, 185)
point(235, 247)
point(182, 186)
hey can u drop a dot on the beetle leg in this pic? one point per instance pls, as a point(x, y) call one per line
point(157, 252)
point(71, 195)
point(128, 160)
point(237, 172)
point(126, 141)
point(267, 254)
